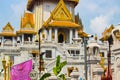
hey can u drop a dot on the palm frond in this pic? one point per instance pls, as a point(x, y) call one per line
point(62, 64)
point(62, 76)
point(45, 76)
point(58, 60)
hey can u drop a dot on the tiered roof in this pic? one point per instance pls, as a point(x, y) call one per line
point(107, 33)
point(31, 3)
point(8, 30)
point(27, 24)
point(61, 17)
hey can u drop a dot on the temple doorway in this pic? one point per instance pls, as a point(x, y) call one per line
point(60, 38)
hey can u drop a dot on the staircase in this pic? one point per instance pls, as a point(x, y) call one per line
point(62, 49)
point(51, 63)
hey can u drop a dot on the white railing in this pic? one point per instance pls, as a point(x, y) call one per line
point(50, 65)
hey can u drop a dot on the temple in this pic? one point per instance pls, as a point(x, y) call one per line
point(53, 28)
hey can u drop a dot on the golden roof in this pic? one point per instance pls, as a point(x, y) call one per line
point(27, 24)
point(64, 24)
point(7, 34)
point(82, 34)
point(31, 3)
point(60, 17)
point(35, 51)
point(28, 18)
point(8, 30)
point(106, 34)
point(26, 32)
point(78, 21)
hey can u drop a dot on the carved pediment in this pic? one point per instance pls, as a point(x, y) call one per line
point(8, 28)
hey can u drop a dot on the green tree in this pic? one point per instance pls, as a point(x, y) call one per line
point(57, 69)
point(44, 76)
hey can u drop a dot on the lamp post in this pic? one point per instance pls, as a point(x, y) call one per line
point(85, 54)
point(85, 39)
point(39, 51)
point(109, 59)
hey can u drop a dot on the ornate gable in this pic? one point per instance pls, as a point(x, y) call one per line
point(61, 12)
point(8, 28)
point(27, 22)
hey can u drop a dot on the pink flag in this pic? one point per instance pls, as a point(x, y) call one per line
point(21, 71)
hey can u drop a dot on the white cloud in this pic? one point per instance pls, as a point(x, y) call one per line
point(98, 24)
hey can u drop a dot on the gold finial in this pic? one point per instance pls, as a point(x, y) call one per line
point(95, 37)
point(24, 12)
point(21, 21)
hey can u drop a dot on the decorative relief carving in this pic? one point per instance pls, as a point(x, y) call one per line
point(117, 34)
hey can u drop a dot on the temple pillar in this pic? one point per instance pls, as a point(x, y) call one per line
point(56, 35)
point(2, 42)
point(22, 39)
point(13, 40)
point(76, 33)
point(71, 35)
point(45, 33)
point(41, 35)
point(50, 34)
point(33, 37)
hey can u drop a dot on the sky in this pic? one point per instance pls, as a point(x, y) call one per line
point(96, 15)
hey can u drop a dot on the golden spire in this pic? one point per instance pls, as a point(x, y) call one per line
point(21, 21)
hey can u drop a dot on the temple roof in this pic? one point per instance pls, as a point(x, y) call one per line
point(107, 33)
point(60, 17)
point(31, 3)
point(27, 24)
point(82, 33)
point(64, 24)
point(8, 30)
point(27, 19)
point(26, 32)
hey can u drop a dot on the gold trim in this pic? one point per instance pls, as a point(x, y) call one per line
point(107, 33)
point(64, 24)
point(35, 52)
point(27, 21)
point(70, 69)
point(60, 13)
point(26, 32)
point(7, 34)
point(8, 28)
point(82, 34)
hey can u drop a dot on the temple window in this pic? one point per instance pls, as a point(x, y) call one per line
point(77, 52)
point(74, 52)
point(48, 54)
